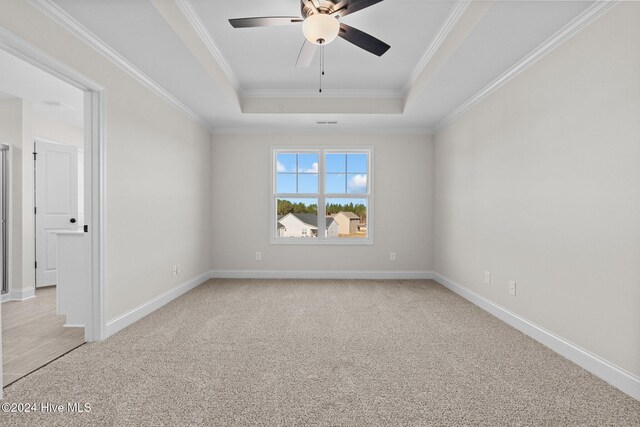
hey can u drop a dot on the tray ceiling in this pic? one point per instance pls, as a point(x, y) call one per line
point(443, 53)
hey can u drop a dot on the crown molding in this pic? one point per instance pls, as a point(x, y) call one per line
point(324, 131)
point(40, 59)
point(572, 28)
point(194, 19)
point(65, 20)
point(449, 24)
point(327, 93)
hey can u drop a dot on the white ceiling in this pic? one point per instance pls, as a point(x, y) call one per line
point(398, 91)
point(263, 59)
point(48, 95)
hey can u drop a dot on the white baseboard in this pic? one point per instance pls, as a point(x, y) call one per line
point(354, 275)
point(124, 320)
point(22, 294)
point(139, 312)
point(5, 297)
point(614, 375)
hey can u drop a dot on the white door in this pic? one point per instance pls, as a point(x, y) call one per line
point(56, 204)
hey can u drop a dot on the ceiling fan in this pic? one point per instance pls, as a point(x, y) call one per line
point(321, 25)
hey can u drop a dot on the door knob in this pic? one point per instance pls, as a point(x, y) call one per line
point(72, 220)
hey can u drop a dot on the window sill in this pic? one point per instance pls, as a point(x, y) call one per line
point(302, 241)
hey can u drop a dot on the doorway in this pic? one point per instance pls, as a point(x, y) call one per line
point(14, 48)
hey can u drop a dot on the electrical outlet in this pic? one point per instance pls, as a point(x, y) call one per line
point(487, 277)
point(512, 288)
point(258, 256)
point(174, 270)
point(392, 256)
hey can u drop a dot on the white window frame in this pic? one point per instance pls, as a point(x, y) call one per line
point(321, 197)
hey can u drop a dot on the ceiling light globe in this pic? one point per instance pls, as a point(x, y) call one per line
point(321, 28)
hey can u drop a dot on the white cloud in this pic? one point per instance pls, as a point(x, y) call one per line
point(313, 169)
point(280, 167)
point(358, 183)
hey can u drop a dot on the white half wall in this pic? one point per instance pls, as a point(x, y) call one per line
point(539, 184)
point(403, 205)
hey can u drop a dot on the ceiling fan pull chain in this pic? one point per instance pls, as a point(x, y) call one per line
point(321, 66)
point(320, 91)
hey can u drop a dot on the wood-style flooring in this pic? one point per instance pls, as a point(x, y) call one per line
point(33, 335)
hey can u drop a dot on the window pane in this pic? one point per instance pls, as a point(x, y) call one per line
point(346, 176)
point(357, 163)
point(286, 163)
point(307, 183)
point(335, 183)
point(357, 184)
point(286, 183)
point(297, 218)
point(336, 163)
point(347, 218)
point(308, 163)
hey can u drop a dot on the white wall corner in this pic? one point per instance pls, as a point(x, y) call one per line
point(607, 371)
point(352, 275)
point(132, 316)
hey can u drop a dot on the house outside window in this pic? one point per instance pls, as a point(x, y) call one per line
point(322, 196)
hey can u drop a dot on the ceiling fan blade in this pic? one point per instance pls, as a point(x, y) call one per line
point(345, 7)
point(265, 21)
point(306, 54)
point(363, 40)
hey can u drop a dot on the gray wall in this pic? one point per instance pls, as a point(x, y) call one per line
point(403, 175)
point(157, 177)
point(540, 183)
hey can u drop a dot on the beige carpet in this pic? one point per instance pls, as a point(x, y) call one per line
point(313, 352)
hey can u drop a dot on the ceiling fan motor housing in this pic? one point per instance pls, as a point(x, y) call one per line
point(308, 9)
point(320, 25)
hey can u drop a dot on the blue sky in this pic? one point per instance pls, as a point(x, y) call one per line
point(345, 173)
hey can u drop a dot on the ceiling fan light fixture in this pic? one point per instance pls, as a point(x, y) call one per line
point(320, 28)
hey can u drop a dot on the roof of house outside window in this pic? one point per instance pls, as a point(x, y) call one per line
point(307, 218)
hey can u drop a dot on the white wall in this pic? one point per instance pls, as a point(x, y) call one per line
point(55, 130)
point(540, 183)
point(28, 218)
point(157, 178)
point(241, 166)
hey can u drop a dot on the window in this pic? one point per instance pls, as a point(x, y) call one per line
point(321, 196)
